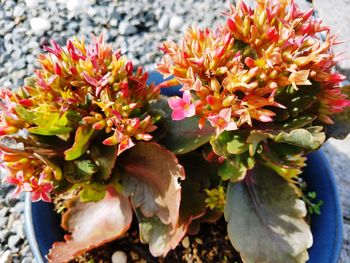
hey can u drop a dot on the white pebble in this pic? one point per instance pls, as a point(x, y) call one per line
point(119, 257)
point(39, 25)
point(77, 5)
point(6, 257)
point(175, 23)
point(74, 5)
point(32, 3)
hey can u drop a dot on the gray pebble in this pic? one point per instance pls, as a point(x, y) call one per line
point(125, 28)
point(113, 22)
point(4, 212)
point(4, 234)
point(163, 22)
point(13, 241)
point(26, 260)
point(3, 221)
point(18, 10)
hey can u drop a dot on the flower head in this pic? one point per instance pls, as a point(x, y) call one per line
point(80, 91)
point(222, 121)
point(182, 108)
point(258, 55)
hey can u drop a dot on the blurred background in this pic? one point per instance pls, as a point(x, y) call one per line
point(137, 27)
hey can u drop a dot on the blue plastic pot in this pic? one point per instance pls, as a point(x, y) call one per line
point(43, 224)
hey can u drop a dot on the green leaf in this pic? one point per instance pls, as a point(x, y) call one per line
point(266, 219)
point(49, 131)
point(310, 139)
point(30, 81)
point(232, 170)
point(181, 136)
point(298, 122)
point(92, 192)
point(24, 113)
point(160, 237)
point(104, 157)
point(300, 104)
point(83, 137)
point(91, 225)
point(79, 170)
point(238, 145)
point(219, 143)
point(198, 178)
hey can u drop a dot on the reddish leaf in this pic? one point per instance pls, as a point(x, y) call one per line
point(150, 174)
point(92, 224)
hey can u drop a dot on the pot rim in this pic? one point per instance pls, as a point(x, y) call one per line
point(29, 229)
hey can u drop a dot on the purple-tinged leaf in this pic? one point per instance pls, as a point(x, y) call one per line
point(266, 219)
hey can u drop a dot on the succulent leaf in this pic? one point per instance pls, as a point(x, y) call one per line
point(266, 219)
point(150, 174)
point(92, 224)
point(181, 136)
point(83, 137)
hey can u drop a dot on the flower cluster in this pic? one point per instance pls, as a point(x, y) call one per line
point(234, 75)
point(89, 88)
point(91, 84)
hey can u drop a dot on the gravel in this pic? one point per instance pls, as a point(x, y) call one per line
point(136, 26)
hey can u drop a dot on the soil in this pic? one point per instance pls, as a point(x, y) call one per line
point(211, 244)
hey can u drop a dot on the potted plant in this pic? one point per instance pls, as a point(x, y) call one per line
point(258, 94)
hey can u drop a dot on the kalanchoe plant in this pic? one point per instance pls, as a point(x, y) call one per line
point(259, 92)
point(266, 82)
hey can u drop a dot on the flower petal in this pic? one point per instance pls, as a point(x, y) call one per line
point(178, 115)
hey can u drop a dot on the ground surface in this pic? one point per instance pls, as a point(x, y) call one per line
point(137, 27)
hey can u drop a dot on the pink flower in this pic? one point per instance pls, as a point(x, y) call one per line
point(222, 121)
point(182, 108)
point(19, 181)
point(41, 190)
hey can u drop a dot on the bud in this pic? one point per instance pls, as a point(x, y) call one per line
point(215, 85)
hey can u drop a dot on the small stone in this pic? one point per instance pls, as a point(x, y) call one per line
point(19, 64)
point(26, 260)
point(4, 234)
point(119, 257)
point(4, 212)
point(113, 22)
point(32, 3)
point(18, 10)
point(6, 257)
point(175, 23)
point(185, 242)
point(73, 5)
point(17, 228)
point(3, 221)
point(199, 241)
point(163, 22)
point(39, 25)
point(19, 207)
point(125, 28)
point(13, 241)
point(25, 250)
